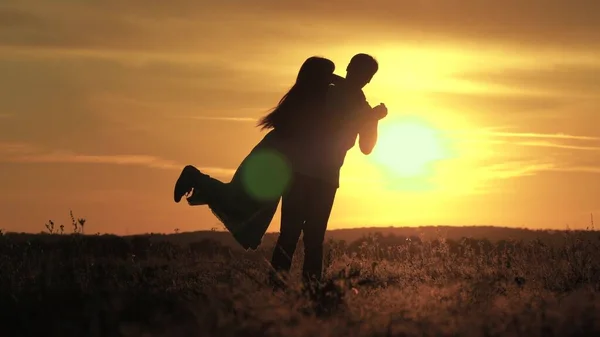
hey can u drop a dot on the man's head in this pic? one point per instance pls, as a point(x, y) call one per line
point(361, 69)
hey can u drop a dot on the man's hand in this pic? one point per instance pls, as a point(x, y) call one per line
point(380, 111)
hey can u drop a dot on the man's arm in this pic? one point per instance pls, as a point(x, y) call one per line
point(367, 135)
point(368, 131)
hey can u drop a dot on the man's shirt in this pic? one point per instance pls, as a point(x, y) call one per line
point(324, 152)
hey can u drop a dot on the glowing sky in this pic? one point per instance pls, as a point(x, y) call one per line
point(103, 102)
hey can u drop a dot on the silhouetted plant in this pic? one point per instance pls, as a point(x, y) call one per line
point(50, 226)
point(78, 224)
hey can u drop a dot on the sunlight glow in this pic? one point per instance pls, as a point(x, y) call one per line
point(408, 146)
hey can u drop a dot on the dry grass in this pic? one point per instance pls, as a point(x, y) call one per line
point(80, 286)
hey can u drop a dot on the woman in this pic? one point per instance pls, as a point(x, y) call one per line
point(246, 205)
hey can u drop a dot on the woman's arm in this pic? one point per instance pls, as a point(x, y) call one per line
point(337, 79)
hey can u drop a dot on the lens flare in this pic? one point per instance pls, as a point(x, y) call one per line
point(266, 174)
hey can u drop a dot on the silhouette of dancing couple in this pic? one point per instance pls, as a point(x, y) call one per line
point(298, 161)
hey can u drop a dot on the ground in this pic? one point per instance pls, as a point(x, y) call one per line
point(76, 285)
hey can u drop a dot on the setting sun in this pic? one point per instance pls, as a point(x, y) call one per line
point(407, 147)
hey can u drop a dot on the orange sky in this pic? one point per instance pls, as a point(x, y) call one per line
point(103, 102)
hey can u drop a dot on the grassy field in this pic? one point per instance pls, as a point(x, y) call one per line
point(377, 285)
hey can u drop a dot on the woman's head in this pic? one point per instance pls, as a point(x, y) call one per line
point(315, 71)
point(314, 77)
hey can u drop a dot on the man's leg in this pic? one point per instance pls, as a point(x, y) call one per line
point(291, 225)
point(319, 205)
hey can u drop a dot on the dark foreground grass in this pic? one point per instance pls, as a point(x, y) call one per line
point(104, 286)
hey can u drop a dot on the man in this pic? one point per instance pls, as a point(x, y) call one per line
point(308, 203)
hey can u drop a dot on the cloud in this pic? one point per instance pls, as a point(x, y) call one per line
point(15, 18)
point(26, 154)
point(557, 145)
point(491, 133)
point(223, 119)
point(486, 178)
point(578, 169)
point(503, 106)
point(89, 103)
point(542, 135)
point(536, 144)
point(493, 169)
point(549, 140)
point(567, 79)
point(10, 148)
point(484, 17)
point(114, 26)
point(179, 88)
point(67, 157)
point(563, 117)
point(513, 169)
point(256, 25)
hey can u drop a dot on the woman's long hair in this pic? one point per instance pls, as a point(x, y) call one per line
point(306, 94)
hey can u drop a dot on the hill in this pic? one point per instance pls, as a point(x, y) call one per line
point(491, 233)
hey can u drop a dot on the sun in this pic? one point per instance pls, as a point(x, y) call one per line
point(407, 147)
